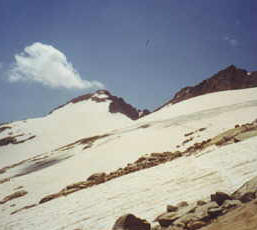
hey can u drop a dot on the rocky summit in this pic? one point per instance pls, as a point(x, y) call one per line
point(117, 104)
point(228, 79)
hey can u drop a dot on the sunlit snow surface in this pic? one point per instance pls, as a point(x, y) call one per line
point(145, 193)
point(63, 126)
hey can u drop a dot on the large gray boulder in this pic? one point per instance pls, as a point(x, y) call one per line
point(168, 218)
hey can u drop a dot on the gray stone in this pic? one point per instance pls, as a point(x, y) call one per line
point(184, 220)
point(231, 204)
point(202, 212)
point(215, 212)
point(167, 219)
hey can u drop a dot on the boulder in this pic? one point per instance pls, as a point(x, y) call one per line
point(200, 203)
point(97, 177)
point(195, 225)
point(171, 208)
point(231, 204)
point(168, 218)
point(131, 222)
point(247, 197)
point(220, 197)
point(202, 213)
point(215, 212)
point(184, 220)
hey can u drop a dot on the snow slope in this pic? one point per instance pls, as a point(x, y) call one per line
point(62, 126)
point(146, 192)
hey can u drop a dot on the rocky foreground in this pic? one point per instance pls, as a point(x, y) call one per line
point(237, 211)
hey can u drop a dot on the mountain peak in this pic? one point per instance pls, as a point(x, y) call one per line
point(231, 67)
point(117, 104)
point(102, 91)
point(227, 79)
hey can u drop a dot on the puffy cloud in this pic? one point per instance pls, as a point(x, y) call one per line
point(49, 66)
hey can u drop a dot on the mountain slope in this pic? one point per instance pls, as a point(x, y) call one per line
point(85, 116)
point(100, 133)
point(175, 127)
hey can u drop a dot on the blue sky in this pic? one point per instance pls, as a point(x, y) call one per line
point(143, 51)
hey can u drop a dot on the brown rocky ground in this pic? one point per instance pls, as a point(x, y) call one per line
point(243, 218)
point(222, 211)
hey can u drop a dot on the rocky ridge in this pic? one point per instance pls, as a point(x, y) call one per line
point(228, 79)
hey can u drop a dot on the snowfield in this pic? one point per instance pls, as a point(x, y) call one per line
point(62, 126)
point(145, 193)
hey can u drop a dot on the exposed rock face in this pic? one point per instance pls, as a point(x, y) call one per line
point(227, 79)
point(117, 105)
point(14, 195)
point(13, 140)
point(131, 222)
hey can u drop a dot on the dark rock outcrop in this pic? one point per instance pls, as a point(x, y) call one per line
point(247, 197)
point(220, 197)
point(14, 195)
point(13, 140)
point(227, 79)
point(118, 105)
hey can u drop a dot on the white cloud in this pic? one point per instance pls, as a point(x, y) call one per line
point(232, 41)
point(47, 65)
